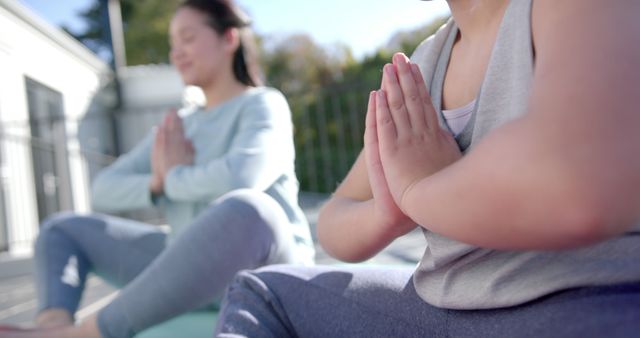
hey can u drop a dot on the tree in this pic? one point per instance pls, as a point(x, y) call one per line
point(296, 64)
point(329, 113)
point(146, 31)
point(146, 24)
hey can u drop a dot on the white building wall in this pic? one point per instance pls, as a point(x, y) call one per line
point(30, 47)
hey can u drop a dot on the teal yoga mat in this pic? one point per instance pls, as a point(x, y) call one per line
point(198, 324)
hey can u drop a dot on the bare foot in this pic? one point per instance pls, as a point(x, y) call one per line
point(88, 329)
point(55, 317)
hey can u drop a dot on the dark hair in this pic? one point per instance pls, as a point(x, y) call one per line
point(223, 15)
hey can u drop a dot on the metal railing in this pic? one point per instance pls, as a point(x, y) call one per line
point(329, 127)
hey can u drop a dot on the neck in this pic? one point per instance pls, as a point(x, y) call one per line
point(476, 18)
point(223, 89)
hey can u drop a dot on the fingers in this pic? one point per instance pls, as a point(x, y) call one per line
point(167, 117)
point(410, 93)
point(430, 114)
point(173, 123)
point(395, 99)
point(375, 171)
point(189, 146)
point(371, 152)
point(385, 125)
point(370, 132)
point(161, 136)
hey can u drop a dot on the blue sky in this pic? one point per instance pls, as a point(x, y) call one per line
point(364, 25)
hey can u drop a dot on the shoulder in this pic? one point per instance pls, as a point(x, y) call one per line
point(433, 44)
point(264, 95)
point(591, 19)
point(427, 53)
point(587, 40)
point(265, 100)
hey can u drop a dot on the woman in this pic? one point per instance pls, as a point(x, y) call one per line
point(533, 232)
point(225, 177)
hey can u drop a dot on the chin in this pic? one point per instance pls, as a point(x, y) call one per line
point(189, 80)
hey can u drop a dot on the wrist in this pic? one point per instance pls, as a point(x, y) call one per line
point(405, 197)
point(156, 185)
point(391, 228)
point(400, 229)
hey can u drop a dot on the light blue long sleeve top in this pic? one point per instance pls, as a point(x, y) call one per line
point(245, 142)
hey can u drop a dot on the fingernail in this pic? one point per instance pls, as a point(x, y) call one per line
point(388, 68)
point(400, 58)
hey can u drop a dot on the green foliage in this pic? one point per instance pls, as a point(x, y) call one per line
point(296, 65)
point(328, 99)
point(146, 31)
point(146, 24)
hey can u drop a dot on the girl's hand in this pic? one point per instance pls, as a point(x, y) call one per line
point(412, 144)
point(385, 208)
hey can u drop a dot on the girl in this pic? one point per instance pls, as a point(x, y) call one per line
point(532, 233)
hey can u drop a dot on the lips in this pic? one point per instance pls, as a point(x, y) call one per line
point(183, 66)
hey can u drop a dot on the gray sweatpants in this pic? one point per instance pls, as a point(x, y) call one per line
point(288, 301)
point(241, 230)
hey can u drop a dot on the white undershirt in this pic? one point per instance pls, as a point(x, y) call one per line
point(458, 118)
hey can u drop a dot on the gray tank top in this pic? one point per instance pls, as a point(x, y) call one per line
point(455, 275)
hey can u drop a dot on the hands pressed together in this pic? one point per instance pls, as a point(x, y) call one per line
point(170, 148)
point(404, 142)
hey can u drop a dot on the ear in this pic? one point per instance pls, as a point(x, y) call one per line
point(232, 39)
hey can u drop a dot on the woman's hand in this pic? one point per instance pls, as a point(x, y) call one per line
point(386, 210)
point(170, 148)
point(178, 150)
point(157, 177)
point(412, 144)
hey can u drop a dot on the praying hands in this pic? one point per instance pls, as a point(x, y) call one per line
point(403, 135)
point(170, 148)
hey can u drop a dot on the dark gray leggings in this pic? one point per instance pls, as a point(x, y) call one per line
point(288, 301)
point(241, 230)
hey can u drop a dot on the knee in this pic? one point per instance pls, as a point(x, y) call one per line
point(62, 221)
point(245, 198)
point(254, 207)
point(244, 293)
point(245, 284)
point(261, 280)
point(263, 285)
point(58, 224)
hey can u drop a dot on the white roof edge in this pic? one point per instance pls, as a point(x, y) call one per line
point(56, 34)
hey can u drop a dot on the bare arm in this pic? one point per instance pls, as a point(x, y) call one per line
point(568, 173)
point(359, 221)
point(347, 228)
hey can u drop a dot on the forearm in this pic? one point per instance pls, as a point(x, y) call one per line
point(121, 193)
point(348, 229)
point(193, 183)
point(124, 185)
point(516, 190)
point(216, 178)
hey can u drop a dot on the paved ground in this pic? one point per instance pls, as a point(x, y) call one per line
point(17, 294)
